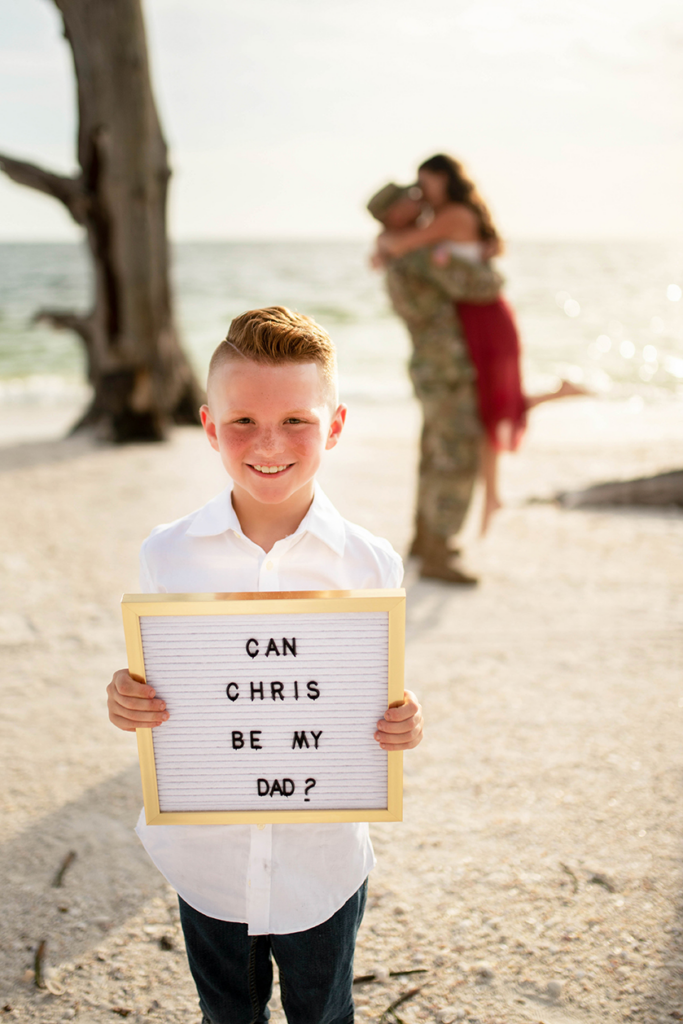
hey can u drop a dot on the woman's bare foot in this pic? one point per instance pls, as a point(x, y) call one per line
point(491, 506)
point(567, 390)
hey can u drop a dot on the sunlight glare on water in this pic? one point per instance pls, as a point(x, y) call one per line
point(606, 314)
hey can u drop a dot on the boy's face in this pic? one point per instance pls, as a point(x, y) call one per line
point(271, 425)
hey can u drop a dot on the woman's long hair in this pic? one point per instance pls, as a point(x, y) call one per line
point(461, 190)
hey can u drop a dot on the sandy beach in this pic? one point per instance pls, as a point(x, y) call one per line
point(537, 874)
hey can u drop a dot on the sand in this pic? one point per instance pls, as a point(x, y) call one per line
point(537, 874)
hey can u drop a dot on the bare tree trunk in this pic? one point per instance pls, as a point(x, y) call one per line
point(141, 378)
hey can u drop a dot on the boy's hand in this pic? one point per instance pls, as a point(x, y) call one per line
point(132, 704)
point(401, 728)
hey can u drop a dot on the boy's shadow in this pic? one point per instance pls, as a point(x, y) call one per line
point(110, 879)
point(429, 602)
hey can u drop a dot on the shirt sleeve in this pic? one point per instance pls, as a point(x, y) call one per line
point(147, 584)
point(396, 571)
point(391, 568)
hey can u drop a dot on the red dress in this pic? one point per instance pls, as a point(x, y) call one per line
point(493, 342)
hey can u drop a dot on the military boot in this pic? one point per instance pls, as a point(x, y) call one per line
point(418, 540)
point(422, 538)
point(439, 562)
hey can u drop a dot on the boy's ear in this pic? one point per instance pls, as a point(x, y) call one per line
point(209, 426)
point(336, 426)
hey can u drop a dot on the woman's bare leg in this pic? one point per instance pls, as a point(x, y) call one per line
point(489, 472)
point(489, 453)
point(565, 390)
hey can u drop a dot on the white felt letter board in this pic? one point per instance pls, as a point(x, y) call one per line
point(273, 702)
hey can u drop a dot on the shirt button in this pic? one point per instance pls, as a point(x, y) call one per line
point(269, 566)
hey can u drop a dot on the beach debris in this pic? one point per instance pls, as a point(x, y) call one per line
point(38, 962)
point(599, 879)
point(392, 1007)
point(554, 989)
point(575, 881)
point(660, 490)
point(52, 983)
point(382, 976)
point(484, 972)
point(64, 867)
point(450, 1014)
point(122, 1011)
point(166, 943)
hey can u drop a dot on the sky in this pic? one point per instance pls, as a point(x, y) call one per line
point(283, 116)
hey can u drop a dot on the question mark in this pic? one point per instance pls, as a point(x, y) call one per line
point(310, 783)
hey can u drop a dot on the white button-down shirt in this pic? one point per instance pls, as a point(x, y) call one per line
point(276, 878)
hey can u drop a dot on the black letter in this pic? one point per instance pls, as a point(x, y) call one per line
point(313, 691)
point(272, 646)
point(256, 689)
point(237, 740)
point(252, 654)
point(276, 788)
point(296, 690)
point(299, 740)
point(237, 691)
point(286, 644)
point(261, 791)
point(254, 739)
point(276, 691)
point(316, 736)
point(285, 790)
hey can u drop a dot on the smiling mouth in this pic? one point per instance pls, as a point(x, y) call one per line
point(270, 470)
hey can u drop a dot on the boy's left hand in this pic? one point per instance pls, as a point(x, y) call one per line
point(401, 728)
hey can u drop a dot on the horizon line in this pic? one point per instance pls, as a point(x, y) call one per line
point(355, 239)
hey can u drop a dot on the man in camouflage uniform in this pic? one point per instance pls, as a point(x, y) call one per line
point(423, 294)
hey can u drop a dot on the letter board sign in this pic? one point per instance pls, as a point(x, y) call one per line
point(273, 701)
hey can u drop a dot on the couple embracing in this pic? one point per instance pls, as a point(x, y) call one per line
point(436, 245)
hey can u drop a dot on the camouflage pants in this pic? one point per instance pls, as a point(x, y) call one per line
point(449, 458)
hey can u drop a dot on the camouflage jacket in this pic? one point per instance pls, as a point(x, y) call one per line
point(423, 295)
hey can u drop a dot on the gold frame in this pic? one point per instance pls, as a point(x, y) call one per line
point(134, 606)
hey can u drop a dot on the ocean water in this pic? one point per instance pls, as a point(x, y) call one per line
point(607, 314)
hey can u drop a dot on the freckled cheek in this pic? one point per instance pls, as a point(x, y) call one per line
point(300, 447)
point(305, 448)
point(233, 445)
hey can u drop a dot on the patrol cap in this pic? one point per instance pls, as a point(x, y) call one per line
point(390, 194)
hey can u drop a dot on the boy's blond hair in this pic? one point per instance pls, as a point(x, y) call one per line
point(278, 335)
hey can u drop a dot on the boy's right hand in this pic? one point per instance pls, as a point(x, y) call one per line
point(132, 704)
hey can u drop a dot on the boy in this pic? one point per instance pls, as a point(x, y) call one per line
point(294, 891)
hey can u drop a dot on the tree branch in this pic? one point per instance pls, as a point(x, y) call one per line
point(69, 191)
point(65, 321)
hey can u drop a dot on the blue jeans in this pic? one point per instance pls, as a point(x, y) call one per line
point(233, 971)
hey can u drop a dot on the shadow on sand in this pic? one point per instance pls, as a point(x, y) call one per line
point(110, 879)
point(28, 454)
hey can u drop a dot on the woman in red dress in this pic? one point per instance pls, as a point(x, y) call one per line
point(461, 225)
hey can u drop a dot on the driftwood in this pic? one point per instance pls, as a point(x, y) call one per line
point(58, 880)
point(140, 376)
point(39, 964)
point(660, 490)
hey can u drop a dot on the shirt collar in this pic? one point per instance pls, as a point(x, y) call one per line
point(322, 520)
